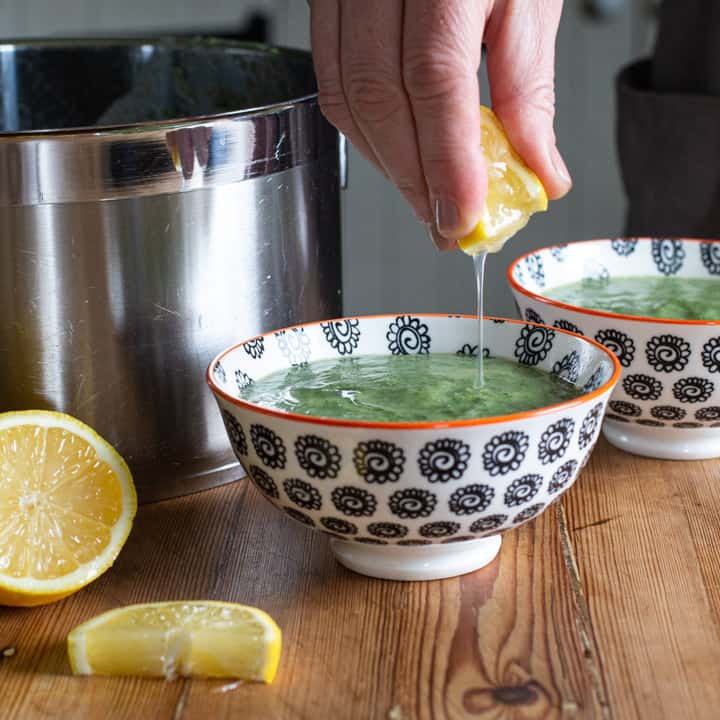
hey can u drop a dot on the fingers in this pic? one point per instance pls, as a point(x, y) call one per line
point(521, 56)
point(441, 56)
point(371, 56)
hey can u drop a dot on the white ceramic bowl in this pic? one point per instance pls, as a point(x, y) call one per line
point(668, 403)
point(413, 501)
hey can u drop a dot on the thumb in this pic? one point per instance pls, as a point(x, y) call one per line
point(521, 72)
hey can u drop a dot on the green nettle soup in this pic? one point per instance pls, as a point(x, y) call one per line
point(673, 298)
point(408, 388)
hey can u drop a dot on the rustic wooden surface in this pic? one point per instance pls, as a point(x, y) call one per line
point(608, 606)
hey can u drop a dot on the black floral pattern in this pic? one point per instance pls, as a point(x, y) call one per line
point(616, 418)
point(255, 348)
point(414, 542)
point(533, 344)
point(294, 344)
point(337, 525)
point(343, 335)
point(353, 501)
point(471, 499)
point(589, 426)
point(534, 266)
point(533, 317)
point(505, 452)
point(619, 343)
point(624, 246)
point(236, 434)
point(711, 355)
point(621, 407)
point(710, 256)
point(688, 425)
point(522, 490)
point(488, 523)
point(444, 460)
point(596, 380)
point(668, 254)
point(650, 423)
point(568, 327)
point(667, 353)
point(569, 367)
point(408, 336)
point(528, 512)
point(555, 440)
point(708, 414)
point(412, 503)
point(559, 252)
point(387, 530)
point(468, 350)
point(299, 516)
point(378, 461)
point(693, 389)
point(303, 494)
point(318, 457)
point(264, 482)
point(242, 380)
point(370, 541)
point(668, 412)
point(562, 476)
point(219, 373)
point(269, 446)
point(642, 387)
point(439, 529)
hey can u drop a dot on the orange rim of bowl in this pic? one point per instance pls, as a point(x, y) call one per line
point(427, 425)
point(601, 313)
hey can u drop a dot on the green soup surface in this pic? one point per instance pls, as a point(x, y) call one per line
point(408, 388)
point(672, 298)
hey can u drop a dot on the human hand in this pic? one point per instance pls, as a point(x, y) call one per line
point(399, 79)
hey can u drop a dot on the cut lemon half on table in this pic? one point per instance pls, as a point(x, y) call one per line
point(67, 503)
point(166, 639)
point(514, 191)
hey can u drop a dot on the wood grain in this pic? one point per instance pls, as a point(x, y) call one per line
point(606, 607)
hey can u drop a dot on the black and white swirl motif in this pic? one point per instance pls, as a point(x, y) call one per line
point(619, 343)
point(505, 452)
point(387, 530)
point(668, 412)
point(443, 460)
point(642, 387)
point(370, 541)
point(532, 317)
point(299, 516)
point(596, 380)
point(522, 490)
point(439, 529)
point(294, 344)
point(650, 423)
point(303, 494)
point(529, 512)
point(378, 461)
point(236, 434)
point(242, 380)
point(343, 335)
point(555, 440)
point(534, 266)
point(559, 252)
point(255, 348)
point(470, 499)
point(589, 426)
point(534, 344)
point(264, 482)
point(667, 353)
point(468, 350)
point(668, 255)
point(688, 425)
point(711, 355)
point(569, 367)
point(269, 446)
point(412, 503)
point(318, 457)
point(628, 409)
point(624, 246)
point(562, 476)
point(414, 542)
point(708, 414)
point(337, 525)
point(408, 336)
point(710, 255)
point(568, 326)
point(353, 501)
point(693, 389)
point(220, 374)
point(488, 523)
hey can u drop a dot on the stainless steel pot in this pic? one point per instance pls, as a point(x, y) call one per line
point(159, 200)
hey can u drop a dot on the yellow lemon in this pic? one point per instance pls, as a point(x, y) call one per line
point(514, 191)
point(166, 639)
point(67, 503)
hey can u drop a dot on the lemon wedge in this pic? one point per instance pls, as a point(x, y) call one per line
point(166, 639)
point(514, 191)
point(67, 503)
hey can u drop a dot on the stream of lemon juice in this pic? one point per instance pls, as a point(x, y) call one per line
point(479, 263)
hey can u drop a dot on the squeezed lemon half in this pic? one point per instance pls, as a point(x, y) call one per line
point(166, 639)
point(514, 191)
point(67, 503)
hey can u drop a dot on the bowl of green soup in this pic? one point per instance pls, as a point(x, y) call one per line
point(655, 302)
point(379, 432)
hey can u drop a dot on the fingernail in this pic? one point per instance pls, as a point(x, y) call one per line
point(447, 216)
point(440, 242)
point(561, 168)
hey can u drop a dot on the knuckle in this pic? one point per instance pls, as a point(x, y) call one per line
point(432, 75)
point(373, 94)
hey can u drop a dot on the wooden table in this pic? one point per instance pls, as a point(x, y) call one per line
point(608, 606)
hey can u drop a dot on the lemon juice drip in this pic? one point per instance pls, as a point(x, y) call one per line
point(479, 262)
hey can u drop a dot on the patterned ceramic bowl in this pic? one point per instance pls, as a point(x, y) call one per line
point(668, 403)
point(423, 500)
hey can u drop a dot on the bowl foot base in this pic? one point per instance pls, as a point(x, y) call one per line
point(424, 562)
point(666, 443)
